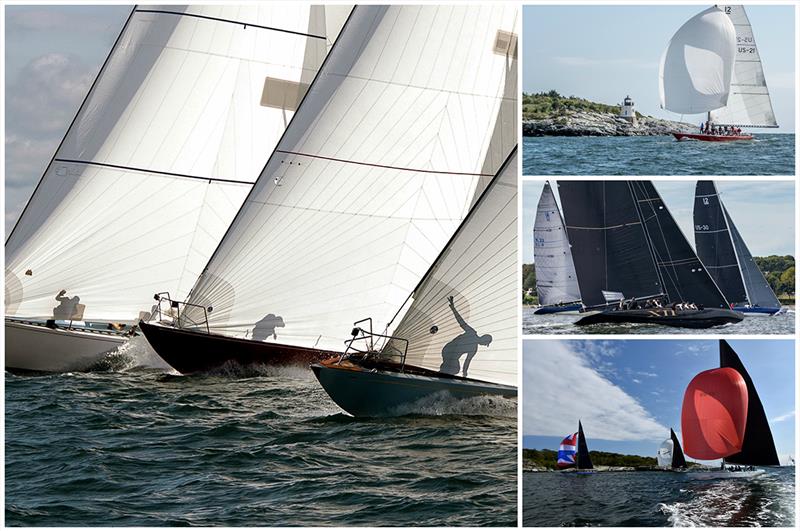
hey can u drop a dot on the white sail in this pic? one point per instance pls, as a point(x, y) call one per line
point(414, 108)
point(696, 68)
point(664, 455)
point(180, 121)
point(556, 281)
point(463, 314)
point(749, 104)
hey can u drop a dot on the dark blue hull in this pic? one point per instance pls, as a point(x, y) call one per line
point(545, 310)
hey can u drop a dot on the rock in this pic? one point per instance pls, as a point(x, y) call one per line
point(586, 123)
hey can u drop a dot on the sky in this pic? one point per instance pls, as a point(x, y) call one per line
point(603, 53)
point(763, 211)
point(52, 55)
point(628, 393)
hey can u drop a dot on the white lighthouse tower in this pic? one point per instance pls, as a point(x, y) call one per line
point(628, 111)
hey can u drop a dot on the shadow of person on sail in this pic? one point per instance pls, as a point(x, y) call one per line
point(67, 307)
point(266, 327)
point(463, 344)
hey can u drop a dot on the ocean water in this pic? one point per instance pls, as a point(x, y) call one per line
point(127, 445)
point(657, 499)
point(782, 324)
point(767, 154)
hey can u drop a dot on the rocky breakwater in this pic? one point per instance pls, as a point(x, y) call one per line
point(589, 123)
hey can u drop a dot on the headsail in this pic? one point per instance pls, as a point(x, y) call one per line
point(567, 451)
point(556, 281)
point(724, 252)
point(696, 68)
point(412, 111)
point(465, 305)
point(609, 243)
point(683, 275)
point(162, 153)
point(749, 104)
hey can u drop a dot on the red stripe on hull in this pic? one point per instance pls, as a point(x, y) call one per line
point(711, 138)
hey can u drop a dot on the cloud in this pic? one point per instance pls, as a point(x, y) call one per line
point(785, 416)
point(26, 18)
point(563, 384)
point(40, 104)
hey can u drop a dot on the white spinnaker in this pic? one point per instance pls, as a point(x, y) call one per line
point(414, 108)
point(177, 127)
point(664, 455)
point(696, 68)
point(478, 269)
point(556, 281)
point(749, 104)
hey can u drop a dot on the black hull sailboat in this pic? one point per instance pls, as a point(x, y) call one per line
point(633, 263)
point(670, 455)
point(573, 454)
point(722, 417)
point(190, 351)
point(705, 318)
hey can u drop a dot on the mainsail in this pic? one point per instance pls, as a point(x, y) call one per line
point(683, 275)
point(697, 67)
point(584, 461)
point(724, 252)
point(465, 305)
point(556, 281)
point(162, 153)
point(610, 248)
point(749, 104)
point(413, 111)
point(722, 416)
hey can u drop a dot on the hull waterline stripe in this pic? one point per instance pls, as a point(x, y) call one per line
point(400, 168)
point(145, 170)
point(228, 21)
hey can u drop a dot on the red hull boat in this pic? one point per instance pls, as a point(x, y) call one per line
point(711, 138)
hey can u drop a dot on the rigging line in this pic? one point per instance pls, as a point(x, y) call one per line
point(229, 21)
point(384, 166)
point(155, 172)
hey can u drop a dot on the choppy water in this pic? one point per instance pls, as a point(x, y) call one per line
point(564, 324)
point(141, 447)
point(767, 154)
point(657, 499)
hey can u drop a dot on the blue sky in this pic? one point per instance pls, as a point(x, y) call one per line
point(604, 53)
point(52, 55)
point(628, 393)
point(763, 211)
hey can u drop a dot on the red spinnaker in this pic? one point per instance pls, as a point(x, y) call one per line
point(714, 414)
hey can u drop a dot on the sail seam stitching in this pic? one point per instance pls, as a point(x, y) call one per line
point(229, 21)
point(145, 170)
point(384, 166)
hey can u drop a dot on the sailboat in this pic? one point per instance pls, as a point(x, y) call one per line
point(634, 264)
point(573, 453)
point(712, 65)
point(722, 418)
point(724, 252)
point(161, 154)
point(556, 281)
point(670, 455)
point(463, 307)
point(410, 117)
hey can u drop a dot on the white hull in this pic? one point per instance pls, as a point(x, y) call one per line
point(31, 347)
point(724, 474)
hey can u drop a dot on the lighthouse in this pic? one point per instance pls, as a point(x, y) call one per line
point(627, 111)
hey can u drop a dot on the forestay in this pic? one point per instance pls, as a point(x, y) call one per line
point(749, 104)
point(162, 153)
point(696, 68)
point(556, 281)
point(466, 304)
point(413, 109)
